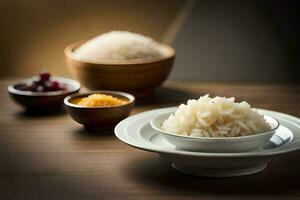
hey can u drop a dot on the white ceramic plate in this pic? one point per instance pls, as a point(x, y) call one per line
point(137, 132)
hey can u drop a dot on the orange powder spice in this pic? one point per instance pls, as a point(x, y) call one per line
point(101, 100)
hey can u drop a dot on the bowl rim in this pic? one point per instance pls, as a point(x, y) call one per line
point(214, 138)
point(71, 47)
point(130, 97)
point(75, 87)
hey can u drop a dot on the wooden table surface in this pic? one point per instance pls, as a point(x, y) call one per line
point(52, 157)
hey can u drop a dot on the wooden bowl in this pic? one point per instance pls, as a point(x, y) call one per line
point(42, 102)
point(94, 118)
point(136, 77)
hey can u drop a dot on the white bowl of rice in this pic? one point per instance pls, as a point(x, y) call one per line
point(216, 124)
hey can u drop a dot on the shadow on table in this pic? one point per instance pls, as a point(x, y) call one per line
point(86, 140)
point(23, 114)
point(167, 95)
point(159, 175)
point(93, 133)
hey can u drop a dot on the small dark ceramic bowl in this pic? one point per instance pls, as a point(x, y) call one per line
point(94, 118)
point(43, 102)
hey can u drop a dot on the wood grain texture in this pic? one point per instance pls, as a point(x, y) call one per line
point(52, 157)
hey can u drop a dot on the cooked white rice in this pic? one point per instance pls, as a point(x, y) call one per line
point(215, 117)
point(118, 46)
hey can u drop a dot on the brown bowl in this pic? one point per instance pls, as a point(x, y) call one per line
point(42, 102)
point(136, 77)
point(99, 117)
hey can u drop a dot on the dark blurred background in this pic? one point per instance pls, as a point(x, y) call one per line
point(215, 40)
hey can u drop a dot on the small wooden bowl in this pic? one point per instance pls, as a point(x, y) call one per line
point(42, 102)
point(94, 118)
point(136, 77)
